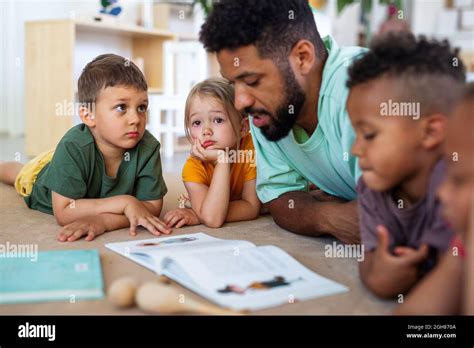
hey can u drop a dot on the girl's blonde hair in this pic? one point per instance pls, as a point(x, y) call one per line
point(221, 90)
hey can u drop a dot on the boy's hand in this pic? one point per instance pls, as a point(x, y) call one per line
point(181, 217)
point(399, 270)
point(205, 155)
point(138, 215)
point(92, 226)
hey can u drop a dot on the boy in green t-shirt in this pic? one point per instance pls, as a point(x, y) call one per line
point(105, 173)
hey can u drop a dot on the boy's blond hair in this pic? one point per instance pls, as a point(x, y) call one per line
point(223, 91)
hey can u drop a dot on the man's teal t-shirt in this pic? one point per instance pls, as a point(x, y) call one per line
point(77, 170)
point(324, 158)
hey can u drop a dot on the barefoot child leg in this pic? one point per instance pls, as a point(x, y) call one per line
point(9, 172)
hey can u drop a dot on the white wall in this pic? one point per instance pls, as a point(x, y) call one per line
point(431, 18)
point(13, 15)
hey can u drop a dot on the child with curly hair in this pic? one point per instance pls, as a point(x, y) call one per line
point(400, 94)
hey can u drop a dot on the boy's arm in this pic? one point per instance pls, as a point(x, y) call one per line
point(439, 293)
point(114, 222)
point(247, 208)
point(154, 206)
point(383, 283)
point(211, 203)
point(92, 226)
point(67, 210)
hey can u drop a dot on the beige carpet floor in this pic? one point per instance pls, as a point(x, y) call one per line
point(20, 225)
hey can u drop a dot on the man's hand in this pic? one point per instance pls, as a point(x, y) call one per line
point(92, 226)
point(138, 215)
point(181, 217)
point(393, 274)
point(205, 155)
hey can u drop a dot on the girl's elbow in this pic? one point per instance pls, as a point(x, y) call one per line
point(256, 212)
point(212, 222)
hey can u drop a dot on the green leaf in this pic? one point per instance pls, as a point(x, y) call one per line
point(366, 6)
point(342, 3)
point(205, 4)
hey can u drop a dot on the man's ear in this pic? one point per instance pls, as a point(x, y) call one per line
point(87, 116)
point(244, 127)
point(303, 57)
point(434, 130)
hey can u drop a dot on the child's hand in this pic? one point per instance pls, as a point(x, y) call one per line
point(92, 226)
point(205, 155)
point(401, 269)
point(181, 217)
point(138, 215)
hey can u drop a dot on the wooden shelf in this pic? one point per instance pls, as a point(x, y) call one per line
point(131, 30)
point(49, 71)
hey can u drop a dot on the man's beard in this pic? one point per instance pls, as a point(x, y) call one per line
point(287, 112)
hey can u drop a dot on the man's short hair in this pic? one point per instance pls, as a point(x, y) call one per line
point(273, 26)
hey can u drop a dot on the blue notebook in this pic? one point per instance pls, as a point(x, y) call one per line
point(55, 276)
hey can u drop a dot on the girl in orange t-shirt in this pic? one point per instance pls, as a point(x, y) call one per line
point(220, 174)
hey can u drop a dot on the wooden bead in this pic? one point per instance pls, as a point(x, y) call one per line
point(122, 292)
point(155, 297)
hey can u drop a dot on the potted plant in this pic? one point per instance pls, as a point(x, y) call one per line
point(205, 4)
point(366, 6)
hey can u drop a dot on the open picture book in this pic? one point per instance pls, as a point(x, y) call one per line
point(234, 274)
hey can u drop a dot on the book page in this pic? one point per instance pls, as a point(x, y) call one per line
point(150, 252)
point(253, 278)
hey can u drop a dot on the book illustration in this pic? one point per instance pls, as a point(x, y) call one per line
point(258, 285)
point(168, 241)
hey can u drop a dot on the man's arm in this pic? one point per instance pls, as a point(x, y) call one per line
point(301, 213)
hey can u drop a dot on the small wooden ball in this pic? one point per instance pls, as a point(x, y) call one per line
point(122, 292)
point(153, 297)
